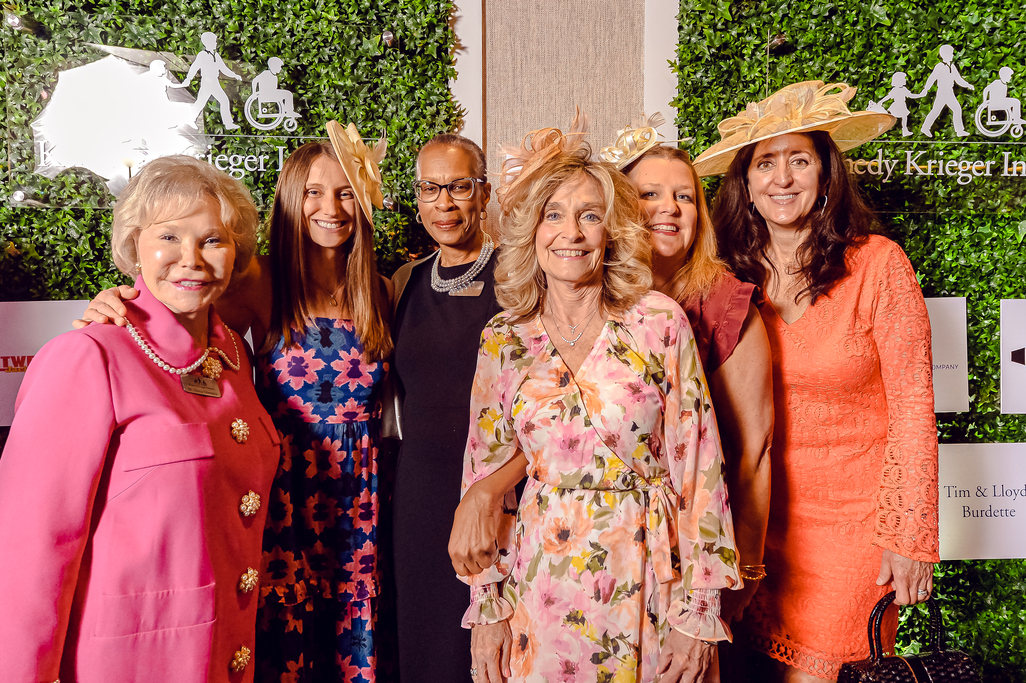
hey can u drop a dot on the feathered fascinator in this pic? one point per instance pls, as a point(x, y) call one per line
point(796, 108)
point(360, 164)
point(535, 149)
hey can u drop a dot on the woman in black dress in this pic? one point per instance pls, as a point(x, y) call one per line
point(442, 304)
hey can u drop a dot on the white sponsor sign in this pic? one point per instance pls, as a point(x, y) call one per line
point(24, 327)
point(950, 354)
point(1013, 356)
point(982, 501)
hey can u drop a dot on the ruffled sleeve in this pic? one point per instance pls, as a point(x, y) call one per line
point(491, 444)
point(906, 520)
point(704, 530)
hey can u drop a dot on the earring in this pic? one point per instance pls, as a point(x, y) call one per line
point(419, 219)
point(138, 267)
point(826, 198)
point(751, 210)
point(484, 215)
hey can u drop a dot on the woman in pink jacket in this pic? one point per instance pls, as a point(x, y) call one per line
point(131, 486)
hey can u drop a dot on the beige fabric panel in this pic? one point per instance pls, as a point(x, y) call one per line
point(543, 57)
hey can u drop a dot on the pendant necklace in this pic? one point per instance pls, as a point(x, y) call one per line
point(580, 334)
point(331, 295)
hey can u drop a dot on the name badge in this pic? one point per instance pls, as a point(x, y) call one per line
point(473, 289)
point(201, 386)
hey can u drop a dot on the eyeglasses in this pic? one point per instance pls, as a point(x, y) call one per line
point(461, 188)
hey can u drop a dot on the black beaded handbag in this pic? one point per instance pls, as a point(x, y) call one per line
point(936, 665)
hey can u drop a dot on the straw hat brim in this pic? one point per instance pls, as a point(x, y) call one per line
point(350, 167)
point(847, 133)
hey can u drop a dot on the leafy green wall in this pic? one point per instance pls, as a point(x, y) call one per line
point(964, 240)
point(336, 64)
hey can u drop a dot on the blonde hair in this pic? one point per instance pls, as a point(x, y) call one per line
point(519, 279)
point(365, 295)
point(703, 269)
point(171, 186)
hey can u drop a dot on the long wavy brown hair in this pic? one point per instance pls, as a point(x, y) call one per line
point(364, 294)
point(844, 222)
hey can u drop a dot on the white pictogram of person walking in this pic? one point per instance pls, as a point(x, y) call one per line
point(996, 101)
point(899, 108)
point(945, 76)
point(211, 67)
point(267, 92)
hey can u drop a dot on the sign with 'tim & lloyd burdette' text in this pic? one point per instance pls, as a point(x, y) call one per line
point(982, 501)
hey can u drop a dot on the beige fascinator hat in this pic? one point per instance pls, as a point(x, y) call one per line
point(797, 108)
point(522, 162)
point(360, 164)
point(633, 141)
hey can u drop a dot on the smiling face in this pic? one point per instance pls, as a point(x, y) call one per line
point(451, 222)
point(783, 180)
point(187, 261)
point(667, 190)
point(329, 204)
point(570, 241)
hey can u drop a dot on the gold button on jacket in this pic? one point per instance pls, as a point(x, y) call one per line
point(240, 431)
point(250, 504)
point(241, 659)
point(248, 581)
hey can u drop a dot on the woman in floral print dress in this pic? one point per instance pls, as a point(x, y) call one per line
point(612, 567)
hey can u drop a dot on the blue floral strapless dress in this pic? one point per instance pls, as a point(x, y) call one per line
point(320, 576)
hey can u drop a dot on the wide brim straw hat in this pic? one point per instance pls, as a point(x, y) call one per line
point(797, 108)
point(360, 164)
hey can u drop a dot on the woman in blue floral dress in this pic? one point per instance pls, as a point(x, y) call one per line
point(320, 543)
point(319, 370)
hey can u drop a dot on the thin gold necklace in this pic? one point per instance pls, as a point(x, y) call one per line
point(331, 295)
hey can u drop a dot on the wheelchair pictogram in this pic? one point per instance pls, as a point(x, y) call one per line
point(999, 113)
point(270, 106)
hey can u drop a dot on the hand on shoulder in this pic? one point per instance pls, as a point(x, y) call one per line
point(108, 307)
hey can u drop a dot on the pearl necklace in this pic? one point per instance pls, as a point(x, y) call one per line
point(460, 283)
point(211, 366)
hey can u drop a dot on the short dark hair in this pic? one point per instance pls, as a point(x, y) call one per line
point(460, 142)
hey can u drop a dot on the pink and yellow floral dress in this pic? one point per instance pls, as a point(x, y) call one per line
point(623, 530)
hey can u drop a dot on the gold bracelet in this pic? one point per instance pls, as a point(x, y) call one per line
point(752, 572)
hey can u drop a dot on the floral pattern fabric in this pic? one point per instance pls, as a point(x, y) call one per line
point(319, 582)
point(624, 518)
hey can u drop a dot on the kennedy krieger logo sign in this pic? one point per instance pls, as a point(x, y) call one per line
point(113, 115)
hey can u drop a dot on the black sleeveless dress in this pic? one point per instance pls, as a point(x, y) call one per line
point(436, 344)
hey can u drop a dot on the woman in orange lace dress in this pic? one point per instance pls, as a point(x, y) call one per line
point(853, 509)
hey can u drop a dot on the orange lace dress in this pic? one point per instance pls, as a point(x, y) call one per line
point(854, 461)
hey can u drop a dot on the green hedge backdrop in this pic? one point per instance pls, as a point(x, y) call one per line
point(336, 64)
point(963, 240)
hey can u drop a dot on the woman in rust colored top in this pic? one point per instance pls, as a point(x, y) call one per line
point(854, 499)
point(731, 341)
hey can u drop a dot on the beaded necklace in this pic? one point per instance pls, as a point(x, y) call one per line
point(211, 365)
point(458, 284)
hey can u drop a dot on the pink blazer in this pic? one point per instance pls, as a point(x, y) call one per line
point(127, 511)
